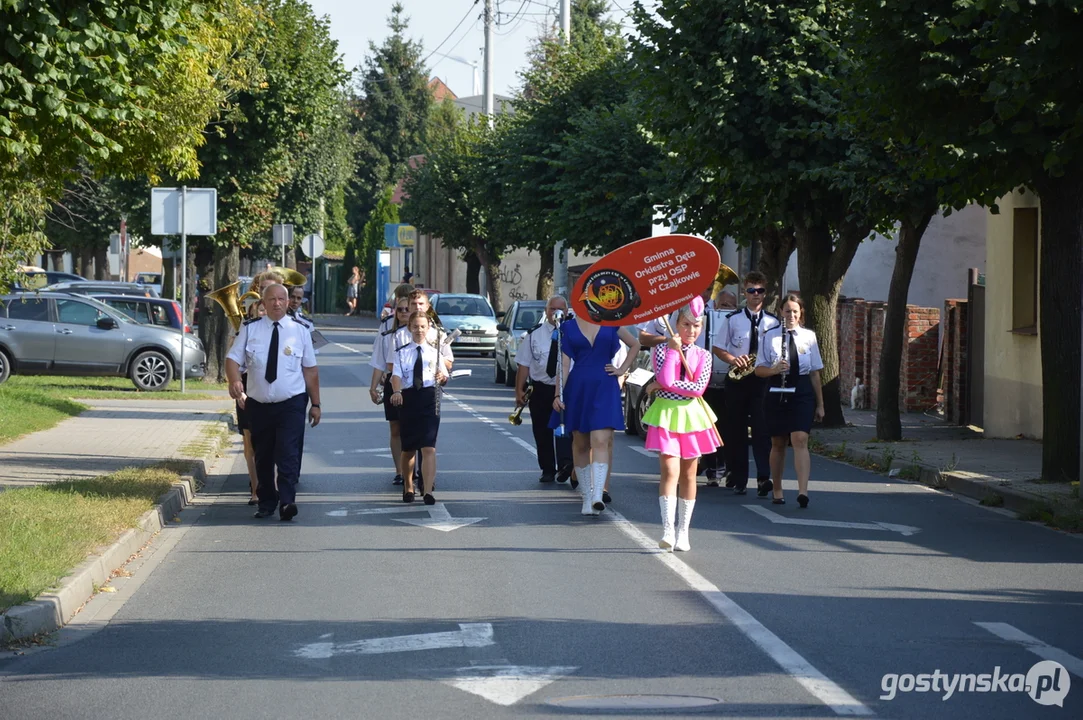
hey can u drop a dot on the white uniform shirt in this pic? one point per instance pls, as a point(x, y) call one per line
point(404, 337)
point(250, 349)
point(382, 349)
point(403, 364)
point(735, 334)
point(808, 349)
point(534, 353)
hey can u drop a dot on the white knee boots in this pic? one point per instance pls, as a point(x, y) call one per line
point(598, 485)
point(585, 475)
point(684, 518)
point(668, 506)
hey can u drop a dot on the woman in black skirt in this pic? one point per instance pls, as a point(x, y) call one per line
point(790, 357)
point(415, 378)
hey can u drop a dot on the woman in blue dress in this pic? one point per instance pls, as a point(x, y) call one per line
point(592, 406)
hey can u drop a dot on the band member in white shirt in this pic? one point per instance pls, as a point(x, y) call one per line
point(532, 357)
point(276, 350)
point(417, 371)
point(383, 348)
point(790, 358)
point(737, 344)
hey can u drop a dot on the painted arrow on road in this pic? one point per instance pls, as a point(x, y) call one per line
point(469, 635)
point(506, 684)
point(783, 520)
point(439, 517)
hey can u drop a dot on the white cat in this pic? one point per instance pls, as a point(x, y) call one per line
point(857, 397)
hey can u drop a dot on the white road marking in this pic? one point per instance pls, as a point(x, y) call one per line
point(346, 347)
point(796, 666)
point(783, 520)
point(439, 517)
point(469, 635)
point(524, 445)
point(644, 451)
point(1046, 652)
point(507, 684)
point(800, 669)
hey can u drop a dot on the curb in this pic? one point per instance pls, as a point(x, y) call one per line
point(51, 610)
point(959, 483)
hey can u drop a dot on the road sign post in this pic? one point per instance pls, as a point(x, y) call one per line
point(313, 247)
point(282, 236)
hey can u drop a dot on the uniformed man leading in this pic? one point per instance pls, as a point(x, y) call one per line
point(276, 350)
point(737, 343)
point(532, 357)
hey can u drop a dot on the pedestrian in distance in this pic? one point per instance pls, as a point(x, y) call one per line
point(380, 384)
point(276, 351)
point(680, 425)
point(592, 406)
point(532, 358)
point(417, 375)
point(790, 358)
point(738, 344)
point(353, 285)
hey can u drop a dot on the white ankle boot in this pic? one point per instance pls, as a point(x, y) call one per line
point(668, 506)
point(684, 518)
point(597, 486)
point(586, 475)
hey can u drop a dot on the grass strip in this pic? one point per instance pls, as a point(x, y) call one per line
point(46, 531)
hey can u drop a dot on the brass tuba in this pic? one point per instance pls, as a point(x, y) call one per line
point(232, 302)
point(725, 276)
point(293, 278)
point(516, 418)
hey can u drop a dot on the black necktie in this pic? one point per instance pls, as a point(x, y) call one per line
point(795, 364)
point(551, 364)
point(419, 380)
point(272, 357)
point(754, 334)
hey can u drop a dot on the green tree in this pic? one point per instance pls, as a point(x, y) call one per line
point(748, 92)
point(992, 98)
point(372, 241)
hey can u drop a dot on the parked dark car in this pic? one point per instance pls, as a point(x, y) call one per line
point(36, 280)
point(147, 311)
point(520, 317)
point(102, 287)
point(636, 402)
point(63, 334)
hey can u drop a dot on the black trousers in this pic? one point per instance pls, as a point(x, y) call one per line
point(744, 408)
point(553, 453)
point(276, 430)
point(715, 397)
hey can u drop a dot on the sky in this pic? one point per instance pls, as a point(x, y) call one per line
point(354, 23)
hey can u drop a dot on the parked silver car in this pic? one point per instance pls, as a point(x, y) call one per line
point(521, 316)
point(50, 333)
point(472, 315)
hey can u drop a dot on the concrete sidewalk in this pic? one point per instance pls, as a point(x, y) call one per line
point(956, 458)
point(111, 435)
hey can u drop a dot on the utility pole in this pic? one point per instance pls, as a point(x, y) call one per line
point(489, 61)
point(560, 258)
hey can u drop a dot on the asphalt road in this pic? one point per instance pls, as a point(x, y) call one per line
point(504, 601)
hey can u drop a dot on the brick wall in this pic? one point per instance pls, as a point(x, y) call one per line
point(877, 313)
point(920, 359)
point(955, 379)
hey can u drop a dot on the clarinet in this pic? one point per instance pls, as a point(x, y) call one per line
point(786, 356)
point(558, 318)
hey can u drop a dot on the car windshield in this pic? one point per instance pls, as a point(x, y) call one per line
point(459, 305)
point(528, 317)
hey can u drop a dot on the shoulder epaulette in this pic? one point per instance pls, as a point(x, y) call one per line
point(249, 321)
point(389, 331)
point(299, 321)
point(770, 330)
point(738, 311)
point(401, 347)
point(535, 327)
point(771, 314)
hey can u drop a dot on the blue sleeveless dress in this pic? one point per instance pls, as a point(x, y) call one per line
point(592, 396)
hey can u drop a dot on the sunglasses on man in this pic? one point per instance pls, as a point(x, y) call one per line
point(756, 291)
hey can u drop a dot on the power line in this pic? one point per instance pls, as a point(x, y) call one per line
point(453, 31)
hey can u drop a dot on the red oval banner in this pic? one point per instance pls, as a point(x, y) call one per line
point(645, 279)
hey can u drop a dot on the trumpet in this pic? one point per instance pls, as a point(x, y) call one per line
point(516, 418)
point(737, 373)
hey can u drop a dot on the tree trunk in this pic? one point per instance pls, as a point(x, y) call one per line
point(545, 276)
point(776, 247)
point(1059, 266)
point(215, 329)
point(492, 274)
point(473, 268)
point(86, 262)
point(888, 422)
point(101, 263)
point(201, 263)
point(822, 261)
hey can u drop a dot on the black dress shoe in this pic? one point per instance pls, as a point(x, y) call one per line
point(398, 480)
point(575, 483)
point(606, 498)
point(740, 491)
point(802, 500)
point(563, 474)
point(730, 481)
point(407, 497)
point(778, 501)
point(429, 499)
point(547, 478)
point(763, 487)
point(263, 514)
point(288, 512)
point(253, 502)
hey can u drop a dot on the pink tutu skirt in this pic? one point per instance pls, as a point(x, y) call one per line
point(686, 445)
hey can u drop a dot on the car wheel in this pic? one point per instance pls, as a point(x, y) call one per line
point(5, 366)
point(509, 376)
point(499, 376)
point(151, 371)
point(642, 405)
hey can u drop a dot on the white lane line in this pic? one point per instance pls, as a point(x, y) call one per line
point(346, 347)
point(1011, 633)
point(645, 451)
point(796, 666)
point(783, 520)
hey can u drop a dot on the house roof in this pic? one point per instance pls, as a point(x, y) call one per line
point(440, 90)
